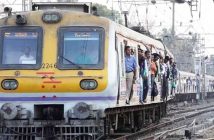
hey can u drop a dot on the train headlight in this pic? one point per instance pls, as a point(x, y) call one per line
point(51, 17)
point(9, 84)
point(88, 84)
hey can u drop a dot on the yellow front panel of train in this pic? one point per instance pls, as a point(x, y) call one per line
point(56, 72)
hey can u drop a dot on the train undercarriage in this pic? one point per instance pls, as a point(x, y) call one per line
point(130, 119)
point(117, 121)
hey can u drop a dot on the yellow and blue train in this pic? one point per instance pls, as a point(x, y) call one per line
point(62, 75)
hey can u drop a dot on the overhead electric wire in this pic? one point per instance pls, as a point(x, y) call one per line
point(138, 18)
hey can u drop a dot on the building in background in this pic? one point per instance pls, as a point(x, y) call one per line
point(182, 49)
point(185, 48)
point(210, 65)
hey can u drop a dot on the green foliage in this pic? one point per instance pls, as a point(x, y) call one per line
point(103, 11)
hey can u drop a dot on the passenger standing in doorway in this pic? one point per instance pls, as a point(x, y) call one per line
point(165, 87)
point(170, 61)
point(146, 75)
point(174, 72)
point(154, 74)
point(141, 57)
point(170, 79)
point(141, 62)
point(130, 65)
point(188, 83)
point(162, 75)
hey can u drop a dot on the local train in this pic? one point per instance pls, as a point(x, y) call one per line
point(192, 83)
point(60, 70)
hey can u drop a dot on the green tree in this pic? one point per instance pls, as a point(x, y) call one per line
point(103, 11)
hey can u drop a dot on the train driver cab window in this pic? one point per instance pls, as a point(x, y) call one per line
point(20, 49)
point(81, 47)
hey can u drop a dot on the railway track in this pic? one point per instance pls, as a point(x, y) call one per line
point(184, 115)
point(189, 110)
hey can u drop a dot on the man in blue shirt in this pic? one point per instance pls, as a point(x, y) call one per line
point(130, 65)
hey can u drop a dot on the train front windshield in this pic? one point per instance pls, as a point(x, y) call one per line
point(81, 48)
point(19, 49)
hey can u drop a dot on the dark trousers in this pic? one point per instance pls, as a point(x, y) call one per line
point(164, 87)
point(152, 86)
point(145, 88)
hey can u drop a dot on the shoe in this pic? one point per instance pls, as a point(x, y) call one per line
point(127, 103)
point(141, 102)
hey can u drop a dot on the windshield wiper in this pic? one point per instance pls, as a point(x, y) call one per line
point(71, 62)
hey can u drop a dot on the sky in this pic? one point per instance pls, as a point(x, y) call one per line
point(159, 16)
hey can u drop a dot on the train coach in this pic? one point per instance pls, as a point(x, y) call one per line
point(63, 76)
point(191, 83)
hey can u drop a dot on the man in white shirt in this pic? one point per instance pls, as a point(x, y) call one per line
point(27, 58)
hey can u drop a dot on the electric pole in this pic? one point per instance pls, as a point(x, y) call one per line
point(173, 19)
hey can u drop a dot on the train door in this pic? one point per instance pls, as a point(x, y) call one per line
point(121, 42)
point(136, 85)
point(120, 46)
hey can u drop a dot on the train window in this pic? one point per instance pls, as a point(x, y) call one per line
point(81, 47)
point(20, 48)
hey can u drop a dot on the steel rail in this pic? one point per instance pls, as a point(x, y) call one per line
point(148, 130)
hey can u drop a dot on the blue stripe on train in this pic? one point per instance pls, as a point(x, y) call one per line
point(57, 98)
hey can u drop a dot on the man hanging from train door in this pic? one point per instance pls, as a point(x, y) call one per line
point(146, 75)
point(130, 66)
point(162, 76)
point(174, 72)
point(141, 62)
point(154, 74)
point(165, 88)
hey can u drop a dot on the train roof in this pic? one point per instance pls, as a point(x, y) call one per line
point(144, 39)
point(129, 33)
point(120, 29)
